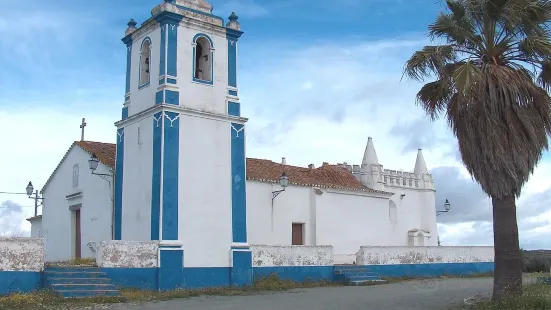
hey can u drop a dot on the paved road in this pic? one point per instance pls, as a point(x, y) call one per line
point(420, 294)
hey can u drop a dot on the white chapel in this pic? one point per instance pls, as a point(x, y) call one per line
point(181, 110)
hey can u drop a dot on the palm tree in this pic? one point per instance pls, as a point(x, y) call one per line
point(491, 71)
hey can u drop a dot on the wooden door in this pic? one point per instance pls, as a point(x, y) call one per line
point(77, 234)
point(298, 234)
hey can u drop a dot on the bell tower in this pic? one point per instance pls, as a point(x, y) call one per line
point(181, 138)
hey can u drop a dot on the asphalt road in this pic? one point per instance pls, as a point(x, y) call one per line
point(419, 294)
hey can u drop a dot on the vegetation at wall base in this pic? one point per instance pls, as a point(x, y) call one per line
point(537, 297)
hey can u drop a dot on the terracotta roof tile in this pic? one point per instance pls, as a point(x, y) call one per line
point(262, 170)
point(105, 152)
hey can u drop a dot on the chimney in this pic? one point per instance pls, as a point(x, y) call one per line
point(311, 166)
point(283, 161)
point(325, 163)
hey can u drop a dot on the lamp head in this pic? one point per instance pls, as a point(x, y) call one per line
point(30, 189)
point(447, 205)
point(284, 180)
point(93, 163)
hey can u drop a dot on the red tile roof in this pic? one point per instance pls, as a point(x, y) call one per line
point(262, 170)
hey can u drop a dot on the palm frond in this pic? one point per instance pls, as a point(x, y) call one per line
point(429, 60)
point(465, 76)
point(544, 78)
point(434, 96)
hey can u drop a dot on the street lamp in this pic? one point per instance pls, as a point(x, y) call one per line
point(30, 189)
point(93, 165)
point(447, 207)
point(283, 181)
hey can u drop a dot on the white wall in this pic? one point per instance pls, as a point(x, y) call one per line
point(96, 211)
point(267, 225)
point(36, 227)
point(137, 180)
point(128, 254)
point(273, 255)
point(205, 225)
point(196, 95)
point(141, 99)
point(21, 254)
point(368, 255)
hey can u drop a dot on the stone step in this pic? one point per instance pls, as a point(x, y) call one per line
point(88, 293)
point(83, 287)
point(52, 281)
point(74, 274)
point(355, 272)
point(363, 278)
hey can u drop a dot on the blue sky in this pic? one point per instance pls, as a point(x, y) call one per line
point(316, 78)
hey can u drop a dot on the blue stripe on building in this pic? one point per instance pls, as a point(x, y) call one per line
point(239, 209)
point(171, 150)
point(172, 47)
point(162, 64)
point(156, 178)
point(119, 174)
point(124, 113)
point(128, 42)
point(234, 108)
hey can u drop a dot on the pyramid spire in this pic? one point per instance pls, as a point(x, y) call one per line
point(420, 165)
point(370, 156)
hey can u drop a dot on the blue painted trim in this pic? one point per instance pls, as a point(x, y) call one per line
point(162, 81)
point(171, 81)
point(296, 273)
point(168, 17)
point(126, 98)
point(171, 153)
point(233, 34)
point(431, 270)
point(172, 97)
point(171, 271)
point(242, 270)
point(19, 282)
point(195, 38)
point(159, 97)
point(128, 43)
point(156, 177)
point(239, 204)
point(140, 86)
point(170, 246)
point(162, 64)
point(119, 176)
point(232, 92)
point(172, 50)
point(234, 108)
point(205, 277)
point(232, 62)
point(124, 113)
point(136, 278)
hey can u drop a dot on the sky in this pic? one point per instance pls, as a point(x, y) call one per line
point(316, 79)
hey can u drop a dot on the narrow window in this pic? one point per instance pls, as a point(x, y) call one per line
point(298, 234)
point(75, 176)
point(145, 58)
point(203, 60)
point(392, 212)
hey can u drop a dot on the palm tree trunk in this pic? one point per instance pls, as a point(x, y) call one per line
point(508, 267)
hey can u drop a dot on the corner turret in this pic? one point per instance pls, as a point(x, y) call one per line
point(420, 165)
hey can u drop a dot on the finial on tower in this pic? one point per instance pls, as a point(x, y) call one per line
point(131, 27)
point(370, 156)
point(420, 165)
point(233, 23)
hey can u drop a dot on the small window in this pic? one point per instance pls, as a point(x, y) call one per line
point(75, 175)
point(203, 60)
point(298, 234)
point(392, 212)
point(145, 59)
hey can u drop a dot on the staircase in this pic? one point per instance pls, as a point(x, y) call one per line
point(79, 282)
point(353, 275)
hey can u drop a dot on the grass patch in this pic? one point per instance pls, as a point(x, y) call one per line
point(536, 296)
point(46, 299)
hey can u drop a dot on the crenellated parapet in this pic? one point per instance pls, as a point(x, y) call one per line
point(372, 174)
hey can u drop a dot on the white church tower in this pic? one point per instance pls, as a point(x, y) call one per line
point(180, 162)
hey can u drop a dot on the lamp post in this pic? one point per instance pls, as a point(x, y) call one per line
point(447, 207)
point(93, 163)
point(36, 198)
point(283, 181)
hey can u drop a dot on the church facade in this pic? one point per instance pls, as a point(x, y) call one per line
point(179, 174)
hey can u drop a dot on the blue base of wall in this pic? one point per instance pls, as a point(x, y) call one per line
point(296, 273)
point(208, 277)
point(431, 270)
point(19, 282)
